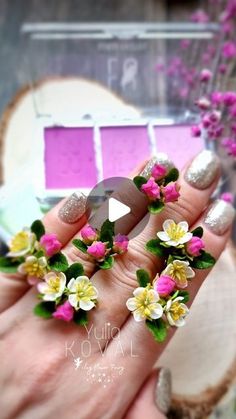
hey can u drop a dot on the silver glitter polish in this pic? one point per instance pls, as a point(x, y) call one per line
point(163, 390)
point(203, 170)
point(73, 208)
point(160, 158)
point(219, 217)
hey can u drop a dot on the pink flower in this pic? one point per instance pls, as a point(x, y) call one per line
point(151, 189)
point(158, 171)
point(164, 285)
point(227, 197)
point(199, 17)
point(222, 68)
point(196, 131)
point(50, 244)
point(98, 250)
point(64, 312)
point(214, 116)
point(203, 103)
point(232, 111)
point(89, 234)
point(229, 98)
point(216, 98)
point(229, 50)
point(121, 243)
point(206, 121)
point(205, 75)
point(171, 192)
point(194, 246)
point(232, 149)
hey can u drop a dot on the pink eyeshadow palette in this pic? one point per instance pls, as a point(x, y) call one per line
point(79, 157)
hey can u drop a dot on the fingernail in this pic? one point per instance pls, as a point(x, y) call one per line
point(160, 158)
point(203, 170)
point(219, 217)
point(73, 208)
point(163, 390)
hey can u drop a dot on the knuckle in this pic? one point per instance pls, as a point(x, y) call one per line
point(182, 210)
point(75, 255)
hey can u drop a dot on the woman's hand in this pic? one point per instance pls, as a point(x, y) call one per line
point(51, 369)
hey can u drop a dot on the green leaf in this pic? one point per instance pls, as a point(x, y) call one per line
point(156, 207)
point(172, 176)
point(107, 263)
point(184, 294)
point(58, 262)
point(80, 317)
point(204, 261)
point(38, 229)
point(143, 277)
point(39, 254)
point(79, 244)
point(198, 232)
point(44, 309)
point(158, 329)
point(154, 247)
point(8, 266)
point(107, 232)
point(139, 181)
point(74, 270)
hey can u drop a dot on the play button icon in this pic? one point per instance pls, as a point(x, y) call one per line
point(118, 200)
point(116, 209)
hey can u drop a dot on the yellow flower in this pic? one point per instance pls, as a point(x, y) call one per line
point(53, 286)
point(82, 293)
point(33, 267)
point(180, 271)
point(176, 312)
point(174, 234)
point(144, 304)
point(21, 244)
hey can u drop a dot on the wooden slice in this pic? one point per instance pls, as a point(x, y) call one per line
point(60, 98)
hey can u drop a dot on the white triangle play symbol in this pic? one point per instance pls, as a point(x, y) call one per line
point(116, 209)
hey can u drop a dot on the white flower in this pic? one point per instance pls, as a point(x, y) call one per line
point(53, 286)
point(176, 312)
point(21, 244)
point(33, 267)
point(144, 304)
point(175, 234)
point(180, 271)
point(82, 293)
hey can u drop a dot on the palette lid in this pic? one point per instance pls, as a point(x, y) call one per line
point(149, 66)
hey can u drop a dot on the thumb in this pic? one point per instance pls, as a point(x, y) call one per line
point(154, 398)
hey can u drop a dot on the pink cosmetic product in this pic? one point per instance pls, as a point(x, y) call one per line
point(76, 158)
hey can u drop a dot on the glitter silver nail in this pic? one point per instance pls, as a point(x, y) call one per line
point(203, 170)
point(73, 208)
point(163, 390)
point(160, 158)
point(219, 217)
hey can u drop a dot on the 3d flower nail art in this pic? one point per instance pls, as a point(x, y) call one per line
point(160, 188)
point(102, 246)
point(161, 301)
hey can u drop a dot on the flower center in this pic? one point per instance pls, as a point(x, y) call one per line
point(145, 303)
point(53, 285)
point(177, 311)
point(34, 269)
point(175, 232)
point(178, 273)
point(84, 291)
point(19, 242)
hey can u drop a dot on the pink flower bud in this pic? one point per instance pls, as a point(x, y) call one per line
point(50, 244)
point(158, 171)
point(89, 234)
point(203, 103)
point(229, 98)
point(215, 116)
point(194, 246)
point(98, 250)
point(196, 131)
point(64, 312)
point(121, 243)
point(229, 50)
point(164, 285)
point(227, 197)
point(171, 192)
point(205, 75)
point(151, 189)
point(222, 68)
point(216, 98)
